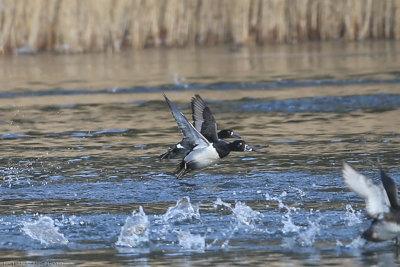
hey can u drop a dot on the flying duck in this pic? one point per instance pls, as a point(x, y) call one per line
point(203, 152)
point(381, 203)
point(198, 107)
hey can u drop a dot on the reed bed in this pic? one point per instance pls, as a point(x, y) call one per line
point(111, 25)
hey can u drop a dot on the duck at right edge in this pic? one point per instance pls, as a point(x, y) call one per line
point(381, 204)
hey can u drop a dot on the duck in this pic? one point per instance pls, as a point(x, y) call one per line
point(203, 152)
point(381, 203)
point(198, 107)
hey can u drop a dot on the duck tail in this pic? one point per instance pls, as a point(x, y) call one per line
point(181, 169)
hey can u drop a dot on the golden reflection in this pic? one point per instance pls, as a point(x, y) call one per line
point(154, 67)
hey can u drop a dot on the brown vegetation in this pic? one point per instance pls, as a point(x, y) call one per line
point(110, 25)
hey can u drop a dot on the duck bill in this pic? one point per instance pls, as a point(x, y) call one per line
point(248, 148)
point(234, 135)
point(253, 148)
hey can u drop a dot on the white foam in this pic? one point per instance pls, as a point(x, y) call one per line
point(303, 236)
point(219, 202)
point(245, 215)
point(135, 231)
point(268, 197)
point(352, 217)
point(190, 241)
point(288, 225)
point(307, 238)
point(182, 211)
point(73, 220)
point(301, 192)
point(45, 231)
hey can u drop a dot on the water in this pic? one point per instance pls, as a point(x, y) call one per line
point(135, 232)
point(80, 135)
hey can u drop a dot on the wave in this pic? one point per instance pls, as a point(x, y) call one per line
point(190, 86)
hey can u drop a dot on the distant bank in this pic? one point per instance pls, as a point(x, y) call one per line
point(73, 26)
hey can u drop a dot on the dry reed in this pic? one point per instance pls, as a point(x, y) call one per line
point(110, 25)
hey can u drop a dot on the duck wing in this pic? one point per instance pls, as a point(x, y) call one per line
point(390, 188)
point(198, 106)
point(190, 134)
point(203, 119)
point(374, 195)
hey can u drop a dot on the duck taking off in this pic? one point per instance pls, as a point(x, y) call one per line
point(381, 203)
point(198, 108)
point(202, 152)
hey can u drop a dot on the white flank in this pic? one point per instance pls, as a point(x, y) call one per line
point(384, 230)
point(203, 156)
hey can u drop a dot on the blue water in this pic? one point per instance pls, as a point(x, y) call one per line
point(80, 154)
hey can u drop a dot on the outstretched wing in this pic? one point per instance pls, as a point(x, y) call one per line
point(390, 188)
point(190, 134)
point(198, 106)
point(203, 119)
point(374, 195)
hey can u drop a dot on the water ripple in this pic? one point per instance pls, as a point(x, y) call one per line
point(381, 102)
point(212, 86)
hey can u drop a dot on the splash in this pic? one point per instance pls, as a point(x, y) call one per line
point(355, 247)
point(307, 237)
point(222, 207)
point(357, 243)
point(45, 231)
point(268, 197)
point(180, 81)
point(288, 225)
point(339, 244)
point(352, 217)
point(219, 202)
point(299, 191)
point(135, 232)
point(190, 241)
point(245, 215)
point(303, 235)
point(183, 211)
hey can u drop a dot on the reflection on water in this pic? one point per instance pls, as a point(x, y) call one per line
point(149, 68)
point(80, 138)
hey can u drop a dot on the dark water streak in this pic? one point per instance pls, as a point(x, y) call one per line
point(186, 87)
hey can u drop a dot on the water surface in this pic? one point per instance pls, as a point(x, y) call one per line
point(80, 137)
